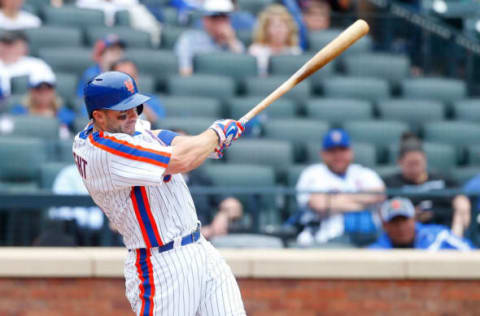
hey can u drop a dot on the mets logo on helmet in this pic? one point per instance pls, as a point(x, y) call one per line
point(129, 84)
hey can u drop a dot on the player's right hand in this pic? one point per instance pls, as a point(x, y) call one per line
point(227, 131)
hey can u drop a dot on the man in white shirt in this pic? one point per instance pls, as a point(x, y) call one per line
point(328, 215)
point(13, 18)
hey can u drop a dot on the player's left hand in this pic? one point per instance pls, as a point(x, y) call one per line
point(227, 131)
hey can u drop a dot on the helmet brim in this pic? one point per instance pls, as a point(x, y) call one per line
point(130, 102)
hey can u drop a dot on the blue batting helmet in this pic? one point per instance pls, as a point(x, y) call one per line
point(113, 90)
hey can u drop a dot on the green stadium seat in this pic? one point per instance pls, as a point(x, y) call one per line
point(337, 111)
point(464, 174)
point(293, 174)
point(319, 39)
point(237, 66)
point(13, 100)
point(245, 36)
point(440, 157)
point(213, 86)
point(66, 85)
point(48, 173)
point(393, 68)
point(34, 126)
point(254, 6)
point(412, 112)
point(365, 154)
point(439, 89)
point(379, 133)
point(187, 124)
point(64, 151)
point(53, 36)
point(385, 171)
point(295, 130)
point(287, 65)
point(170, 16)
point(132, 38)
point(170, 34)
point(282, 108)
point(474, 155)
point(69, 60)
point(73, 16)
point(455, 133)
point(122, 18)
point(158, 63)
point(192, 107)
point(21, 158)
point(467, 110)
point(257, 86)
point(146, 83)
point(79, 124)
point(274, 153)
point(370, 89)
point(19, 85)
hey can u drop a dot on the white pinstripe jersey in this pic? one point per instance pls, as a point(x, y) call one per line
point(125, 177)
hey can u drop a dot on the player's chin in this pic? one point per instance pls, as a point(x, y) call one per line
point(129, 127)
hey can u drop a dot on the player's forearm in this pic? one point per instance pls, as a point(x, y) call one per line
point(461, 214)
point(335, 203)
point(366, 199)
point(189, 152)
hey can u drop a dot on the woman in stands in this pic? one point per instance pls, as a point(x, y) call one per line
point(276, 34)
point(42, 100)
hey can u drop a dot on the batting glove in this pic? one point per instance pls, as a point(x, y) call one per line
point(227, 131)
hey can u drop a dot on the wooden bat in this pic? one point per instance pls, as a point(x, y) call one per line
point(337, 46)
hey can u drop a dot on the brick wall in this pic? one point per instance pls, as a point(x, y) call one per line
point(102, 296)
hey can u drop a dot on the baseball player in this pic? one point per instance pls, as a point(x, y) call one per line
point(133, 175)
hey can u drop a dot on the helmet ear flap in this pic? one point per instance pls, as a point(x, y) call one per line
point(140, 109)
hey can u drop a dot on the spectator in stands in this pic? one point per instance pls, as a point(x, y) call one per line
point(414, 177)
point(316, 15)
point(42, 100)
point(13, 18)
point(402, 231)
point(84, 223)
point(14, 61)
point(276, 34)
point(473, 186)
point(154, 110)
point(218, 214)
point(140, 16)
point(106, 51)
point(218, 35)
point(329, 214)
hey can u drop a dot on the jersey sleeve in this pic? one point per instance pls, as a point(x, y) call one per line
point(371, 180)
point(309, 179)
point(133, 161)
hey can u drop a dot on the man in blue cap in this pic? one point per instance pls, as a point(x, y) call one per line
point(327, 213)
point(402, 231)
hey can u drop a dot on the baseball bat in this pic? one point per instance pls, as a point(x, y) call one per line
point(337, 46)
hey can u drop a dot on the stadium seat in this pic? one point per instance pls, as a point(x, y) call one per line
point(319, 39)
point(467, 110)
point(257, 86)
point(70, 60)
point(249, 241)
point(169, 15)
point(66, 85)
point(439, 89)
point(385, 171)
point(237, 66)
point(187, 124)
point(282, 108)
point(464, 174)
point(34, 126)
point(393, 68)
point(412, 112)
point(158, 63)
point(19, 85)
point(192, 107)
point(337, 111)
point(213, 86)
point(295, 130)
point(132, 38)
point(254, 6)
point(53, 36)
point(170, 34)
point(21, 158)
point(245, 36)
point(80, 123)
point(48, 173)
point(455, 133)
point(146, 83)
point(64, 151)
point(371, 89)
point(379, 133)
point(73, 16)
point(122, 18)
point(474, 155)
point(275, 153)
point(294, 172)
point(440, 157)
